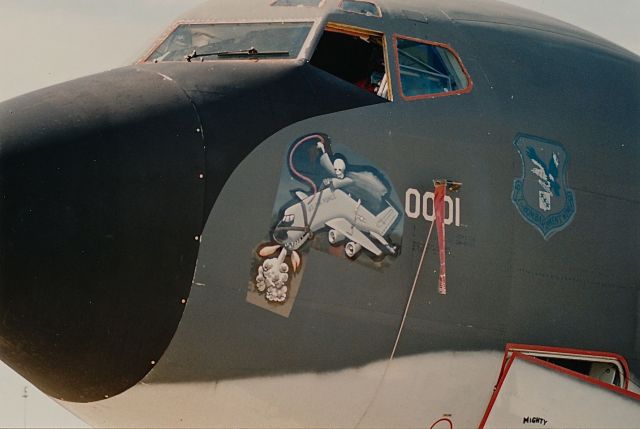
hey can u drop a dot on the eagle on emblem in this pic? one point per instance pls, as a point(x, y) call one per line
point(542, 195)
point(546, 177)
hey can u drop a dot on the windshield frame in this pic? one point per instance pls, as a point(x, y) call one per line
point(302, 54)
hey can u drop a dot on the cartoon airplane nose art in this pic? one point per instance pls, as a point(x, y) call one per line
point(337, 201)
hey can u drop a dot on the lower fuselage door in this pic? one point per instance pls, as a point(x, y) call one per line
point(535, 393)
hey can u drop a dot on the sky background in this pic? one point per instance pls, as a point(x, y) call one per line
point(51, 41)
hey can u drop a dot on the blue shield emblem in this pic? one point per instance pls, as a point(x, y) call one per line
point(542, 195)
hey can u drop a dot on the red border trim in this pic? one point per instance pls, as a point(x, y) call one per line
point(444, 419)
point(539, 362)
point(582, 377)
point(465, 90)
point(625, 366)
point(494, 397)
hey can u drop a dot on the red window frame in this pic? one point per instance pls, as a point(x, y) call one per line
point(465, 90)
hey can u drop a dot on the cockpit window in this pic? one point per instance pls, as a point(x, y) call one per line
point(310, 3)
point(361, 7)
point(429, 69)
point(357, 56)
point(210, 42)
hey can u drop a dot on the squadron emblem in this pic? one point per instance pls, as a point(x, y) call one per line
point(542, 195)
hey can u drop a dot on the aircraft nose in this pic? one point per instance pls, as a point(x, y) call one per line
point(101, 205)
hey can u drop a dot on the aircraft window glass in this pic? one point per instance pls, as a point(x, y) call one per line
point(311, 3)
point(361, 7)
point(356, 56)
point(428, 69)
point(277, 40)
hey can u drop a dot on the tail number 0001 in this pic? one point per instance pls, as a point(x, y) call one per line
point(418, 204)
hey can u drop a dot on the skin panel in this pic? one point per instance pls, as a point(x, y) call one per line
point(480, 314)
point(469, 53)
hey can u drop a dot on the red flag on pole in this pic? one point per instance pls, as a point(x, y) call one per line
point(440, 191)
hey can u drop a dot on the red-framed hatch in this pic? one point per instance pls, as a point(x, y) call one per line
point(549, 387)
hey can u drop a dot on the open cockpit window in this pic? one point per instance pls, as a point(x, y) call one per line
point(429, 69)
point(207, 42)
point(356, 56)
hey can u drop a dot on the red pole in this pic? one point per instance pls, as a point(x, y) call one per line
point(440, 192)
